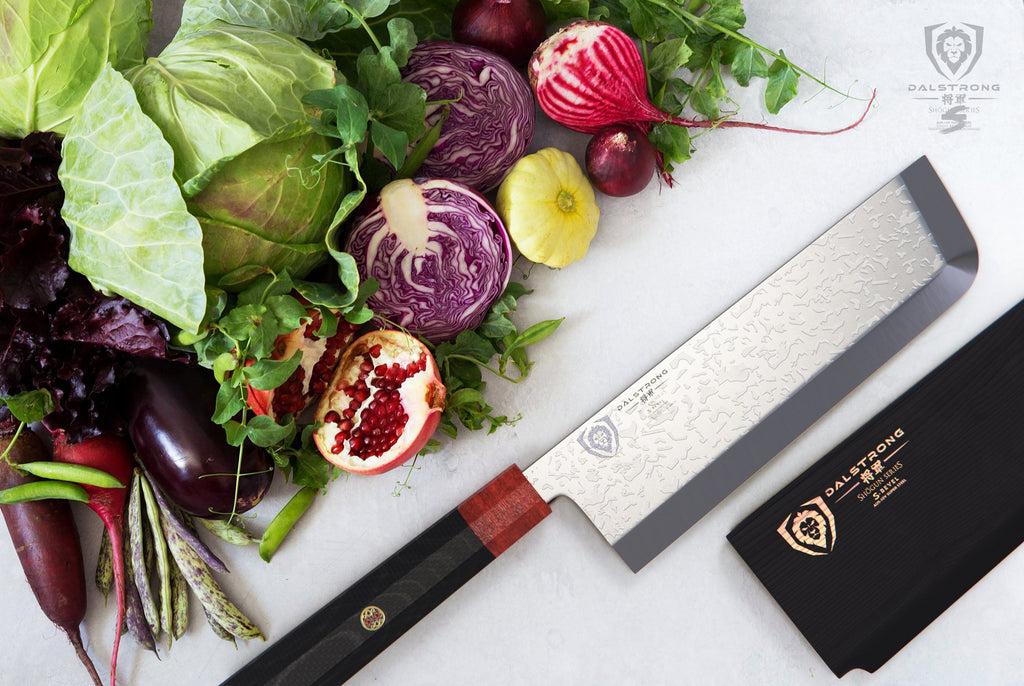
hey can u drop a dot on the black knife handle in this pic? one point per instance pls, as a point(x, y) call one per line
point(348, 632)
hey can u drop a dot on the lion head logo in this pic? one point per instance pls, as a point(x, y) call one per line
point(953, 49)
point(810, 528)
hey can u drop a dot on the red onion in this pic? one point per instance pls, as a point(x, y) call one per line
point(511, 28)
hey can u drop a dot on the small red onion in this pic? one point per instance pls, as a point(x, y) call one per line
point(620, 160)
point(511, 28)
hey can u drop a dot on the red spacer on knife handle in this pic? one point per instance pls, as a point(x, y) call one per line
point(504, 510)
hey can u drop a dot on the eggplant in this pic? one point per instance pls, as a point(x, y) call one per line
point(187, 455)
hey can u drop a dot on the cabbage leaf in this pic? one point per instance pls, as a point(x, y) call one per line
point(287, 16)
point(217, 92)
point(52, 50)
point(131, 233)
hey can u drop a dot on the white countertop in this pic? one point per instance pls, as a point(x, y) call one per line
point(560, 607)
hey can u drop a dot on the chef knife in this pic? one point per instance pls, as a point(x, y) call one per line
point(659, 456)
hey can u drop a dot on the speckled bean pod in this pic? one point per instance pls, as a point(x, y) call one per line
point(179, 601)
point(137, 555)
point(135, 617)
point(179, 520)
point(202, 582)
point(163, 560)
point(105, 566)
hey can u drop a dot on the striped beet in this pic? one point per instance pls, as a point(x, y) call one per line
point(589, 75)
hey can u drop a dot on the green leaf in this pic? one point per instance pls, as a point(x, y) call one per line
point(726, 13)
point(267, 374)
point(265, 432)
point(401, 106)
point(414, 159)
point(705, 103)
point(30, 406)
point(430, 19)
point(392, 142)
point(348, 109)
point(242, 322)
point(309, 21)
point(53, 50)
point(377, 70)
point(496, 325)
point(131, 233)
point(782, 84)
point(667, 58)
point(473, 345)
point(288, 311)
point(672, 141)
point(402, 37)
point(745, 62)
point(229, 403)
point(535, 334)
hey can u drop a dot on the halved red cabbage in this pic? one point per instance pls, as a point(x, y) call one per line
point(491, 121)
point(440, 253)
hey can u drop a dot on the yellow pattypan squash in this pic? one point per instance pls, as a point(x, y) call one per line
point(548, 207)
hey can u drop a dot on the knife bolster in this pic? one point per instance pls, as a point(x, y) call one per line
point(503, 511)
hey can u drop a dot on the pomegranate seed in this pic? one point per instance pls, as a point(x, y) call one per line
point(337, 448)
point(375, 350)
point(332, 417)
point(366, 366)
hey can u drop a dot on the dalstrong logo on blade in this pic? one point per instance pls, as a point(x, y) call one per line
point(953, 49)
point(600, 439)
point(810, 529)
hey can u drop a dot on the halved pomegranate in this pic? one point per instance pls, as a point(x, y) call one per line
point(320, 357)
point(384, 403)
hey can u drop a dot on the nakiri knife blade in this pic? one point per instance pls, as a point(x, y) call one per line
point(659, 456)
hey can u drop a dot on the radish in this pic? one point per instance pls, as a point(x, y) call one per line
point(46, 538)
point(111, 454)
point(590, 74)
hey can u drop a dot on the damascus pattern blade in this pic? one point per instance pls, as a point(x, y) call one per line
point(636, 456)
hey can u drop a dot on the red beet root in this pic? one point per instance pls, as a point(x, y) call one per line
point(46, 538)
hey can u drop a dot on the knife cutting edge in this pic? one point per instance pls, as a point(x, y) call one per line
point(663, 453)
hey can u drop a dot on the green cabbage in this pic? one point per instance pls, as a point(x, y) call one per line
point(51, 52)
point(216, 125)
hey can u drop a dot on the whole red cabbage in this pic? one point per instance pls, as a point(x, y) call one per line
point(439, 252)
point(56, 331)
point(491, 120)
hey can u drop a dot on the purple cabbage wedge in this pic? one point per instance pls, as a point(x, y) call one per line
point(438, 250)
point(491, 119)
